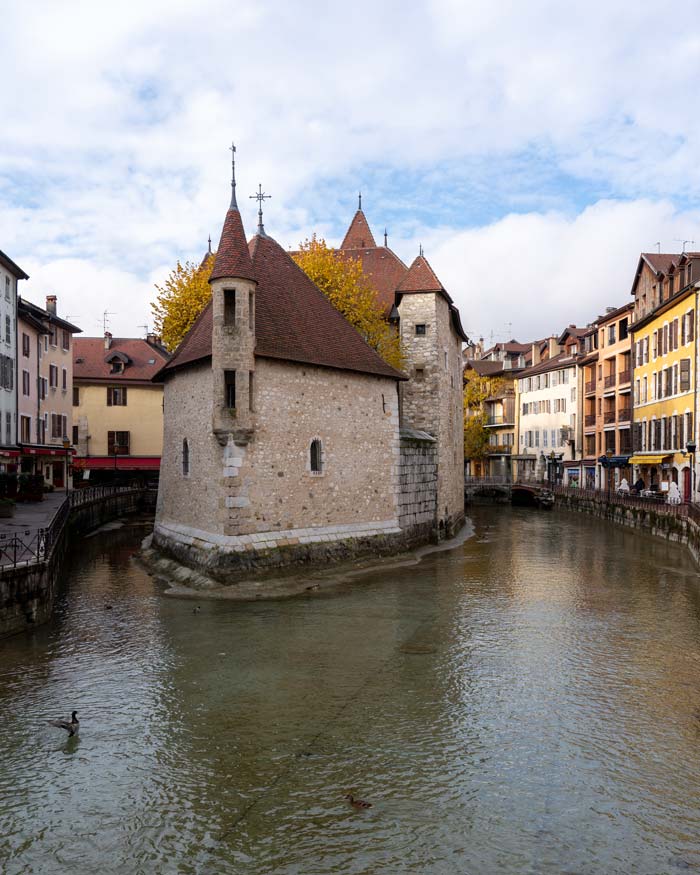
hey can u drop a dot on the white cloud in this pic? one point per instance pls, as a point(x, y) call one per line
point(539, 273)
point(116, 121)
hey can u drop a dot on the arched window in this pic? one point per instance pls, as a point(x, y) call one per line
point(316, 456)
point(185, 458)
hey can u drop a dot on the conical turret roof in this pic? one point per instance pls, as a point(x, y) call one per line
point(232, 255)
point(358, 235)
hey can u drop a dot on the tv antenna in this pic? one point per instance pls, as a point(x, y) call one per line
point(145, 328)
point(677, 240)
point(105, 319)
point(658, 247)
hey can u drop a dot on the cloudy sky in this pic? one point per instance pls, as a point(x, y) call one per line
point(534, 149)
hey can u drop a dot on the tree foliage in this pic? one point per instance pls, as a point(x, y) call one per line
point(477, 389)
point(181, 299)
point(346, 287)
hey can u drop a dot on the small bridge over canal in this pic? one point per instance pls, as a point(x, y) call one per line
point(528, 493)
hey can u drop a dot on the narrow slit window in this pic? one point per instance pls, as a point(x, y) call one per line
point(251, 310)
point(251, 391)
point(185, 458)
point(230, 389)
point(316, 457)
point(229, 306)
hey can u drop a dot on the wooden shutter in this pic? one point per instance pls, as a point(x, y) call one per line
point(109, 398)
point(684, 320)
point(691, 325)
point(685, 375)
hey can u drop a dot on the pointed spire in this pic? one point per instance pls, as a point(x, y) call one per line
point(232, 255)
point(358, 235)
point(385, 240)
point(234, 205)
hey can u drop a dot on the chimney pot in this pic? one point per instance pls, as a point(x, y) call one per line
point(108, 339)
point(51, 304)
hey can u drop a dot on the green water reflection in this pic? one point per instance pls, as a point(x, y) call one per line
point(527, 702)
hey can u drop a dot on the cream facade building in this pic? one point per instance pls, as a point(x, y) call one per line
point(117, 411)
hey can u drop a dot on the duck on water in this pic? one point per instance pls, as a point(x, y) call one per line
point(71, 726)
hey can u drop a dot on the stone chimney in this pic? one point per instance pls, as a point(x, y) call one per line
point(51, 304)
point(536, 353)
point(153, 339)
point(108, 339)
point(554, 348)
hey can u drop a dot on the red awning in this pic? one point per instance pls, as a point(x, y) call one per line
point(118, 463)
point(45, 451)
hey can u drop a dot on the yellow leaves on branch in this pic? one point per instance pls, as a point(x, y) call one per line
point(346, 287)
point(476, 390)
point(181, 299)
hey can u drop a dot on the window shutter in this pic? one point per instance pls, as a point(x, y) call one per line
point(109, 399)
point(124, 396)
point(684, 320)
point(691, 325)
point(685, 375)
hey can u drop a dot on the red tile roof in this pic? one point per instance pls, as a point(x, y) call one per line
point(420, 278)
point(89, 359)
point(232, 256)
point(359, 235)
point(294, 321)
point(382, 267)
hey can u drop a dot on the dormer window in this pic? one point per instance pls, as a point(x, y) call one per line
point(117, 367)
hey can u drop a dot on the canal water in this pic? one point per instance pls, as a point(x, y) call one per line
point(528, 702)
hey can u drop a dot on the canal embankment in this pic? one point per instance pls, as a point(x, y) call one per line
point(33, 545)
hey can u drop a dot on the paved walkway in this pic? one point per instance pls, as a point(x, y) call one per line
point(32, 515)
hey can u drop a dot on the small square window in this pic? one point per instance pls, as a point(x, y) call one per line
point(421, 329)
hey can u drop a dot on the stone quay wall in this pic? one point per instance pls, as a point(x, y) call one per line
point(417, 487)
point(27, 590)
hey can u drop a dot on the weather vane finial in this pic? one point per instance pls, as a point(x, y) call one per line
point(260, 197)
point(359, 201)
point(210, 244)
point(234, 205)
point(385, 243)
point(420, 250)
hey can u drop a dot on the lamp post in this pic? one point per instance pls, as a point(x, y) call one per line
point(552, 467)
point(608, 456)
point(690, 447)
point(66, 447)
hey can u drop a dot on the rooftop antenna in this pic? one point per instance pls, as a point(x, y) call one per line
point(260, 197)
point(105, 319)
point(510, 329)
point(145, 328)
point(684, 242)
point(658, 247)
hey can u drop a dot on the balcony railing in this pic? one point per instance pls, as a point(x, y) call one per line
point(500, 420)
point(590, 419)
point(624, 377)
point(609, 381)
point(624, 414)
point(590, 387)
point(608, 417)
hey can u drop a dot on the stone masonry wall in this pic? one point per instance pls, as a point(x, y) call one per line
point(418, 482)
point(432, 399)
point(258, 495)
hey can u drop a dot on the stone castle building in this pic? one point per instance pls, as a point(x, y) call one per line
point(288, 439)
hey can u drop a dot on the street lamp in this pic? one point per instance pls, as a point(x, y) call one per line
point(66, 446)
point(552, 467)
point(608, 456)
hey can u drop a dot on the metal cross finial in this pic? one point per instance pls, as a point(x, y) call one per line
point(234, 205)
point(420, 249)
point(210, 244)
point(359, 201)
point(385, 243)
point(260, 197)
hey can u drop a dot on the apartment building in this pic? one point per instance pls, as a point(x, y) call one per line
point(10, 274)
point(607, 401)
point(664, 347)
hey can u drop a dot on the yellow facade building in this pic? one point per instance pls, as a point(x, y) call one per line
point(664, 343)
point(117, 410)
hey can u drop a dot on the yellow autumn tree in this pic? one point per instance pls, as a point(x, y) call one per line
point(346, 287)
point(181, 299)
point(477, 389)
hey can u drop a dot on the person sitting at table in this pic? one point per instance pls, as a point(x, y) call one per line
point(638, 486)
